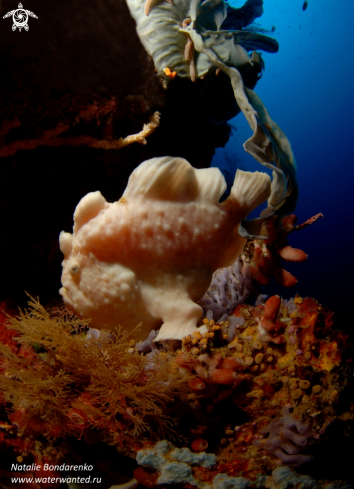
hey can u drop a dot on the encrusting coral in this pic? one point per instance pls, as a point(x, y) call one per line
point(163, 463)
point(241, 369)
point(225, 389)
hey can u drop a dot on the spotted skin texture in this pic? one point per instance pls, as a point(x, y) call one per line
point(150, 256)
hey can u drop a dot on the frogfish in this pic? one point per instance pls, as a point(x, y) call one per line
point(149, 257)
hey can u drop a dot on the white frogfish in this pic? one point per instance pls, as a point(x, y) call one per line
point(150, 256)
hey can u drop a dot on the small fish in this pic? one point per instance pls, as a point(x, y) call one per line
point(273, 28)
point(305, 4)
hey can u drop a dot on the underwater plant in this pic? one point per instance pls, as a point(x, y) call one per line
point(60, 380)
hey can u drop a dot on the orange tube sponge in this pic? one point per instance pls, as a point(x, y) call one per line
point(222, 376)
point(199, 445)
point(232, 363)
point(285, 278)
point(196, 384)
point(184, 360)
point(292, 254)
point(271, 311)
point(268, 322)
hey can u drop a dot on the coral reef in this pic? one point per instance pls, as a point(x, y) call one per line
point(259, 261)
point(122, 264)
point(299, 371)
point(287, 437)
point(169, 465)
point(225, 392)
point(62, 382)
point(255, 387)
point(267, 254)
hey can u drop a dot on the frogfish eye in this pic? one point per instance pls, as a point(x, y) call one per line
point(74, 269)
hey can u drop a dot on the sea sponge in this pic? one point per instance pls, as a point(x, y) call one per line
point(230, 287)
point(150, 256)
point(267, 326)
point(185, 39)
point(161, 29)
point(174, 464)
point(169, 465)
point(287, 438)
point(259, 260)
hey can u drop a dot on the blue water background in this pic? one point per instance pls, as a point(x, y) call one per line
point(307, 88)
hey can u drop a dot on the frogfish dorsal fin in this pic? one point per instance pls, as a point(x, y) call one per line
point(174, 179)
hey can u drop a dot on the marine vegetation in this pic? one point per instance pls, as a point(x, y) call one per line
point(60, 380)
point(257, 389)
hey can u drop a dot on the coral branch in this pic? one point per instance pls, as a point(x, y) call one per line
point(51, 138)
point(308, 222)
